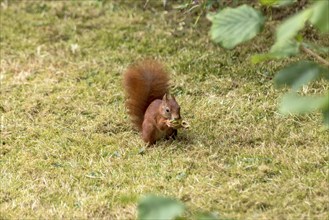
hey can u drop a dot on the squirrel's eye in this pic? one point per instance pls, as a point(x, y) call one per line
point(167, 110)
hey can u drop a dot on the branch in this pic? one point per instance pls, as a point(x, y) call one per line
point(314, 55)
point(145, 4)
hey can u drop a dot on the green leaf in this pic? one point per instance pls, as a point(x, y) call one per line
point(284, 49)
point(324, 73)
point(295, 104)
point(268, 2)
point(277, 3)
point(257, 58)
point(207, 216)
point(326, 117)
point(279, 51)
point(290, 27)
point(298, 74)
point(320, 15)
point(233, 26)
point(156, 207)
point(285, 44)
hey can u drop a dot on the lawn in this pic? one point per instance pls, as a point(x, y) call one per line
point(68, 149)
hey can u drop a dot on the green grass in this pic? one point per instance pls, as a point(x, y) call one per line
point(68, 149)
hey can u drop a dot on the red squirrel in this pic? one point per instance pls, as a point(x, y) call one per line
point(152, 109)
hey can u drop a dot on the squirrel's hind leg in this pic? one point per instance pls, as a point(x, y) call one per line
point(148, 133)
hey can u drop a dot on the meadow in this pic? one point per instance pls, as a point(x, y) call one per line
point(68, 149)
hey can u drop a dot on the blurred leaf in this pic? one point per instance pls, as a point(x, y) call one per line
point(279, 51)
point(257, 58)
point(285, 44)
point(298, 74)
point(268, 2)
point(326, 117)
point(277, 3)
point(156, 207)
point(233, 26)
point(284, 49)
point(290, 27)
point(299, 38)
point(207, 216)
point(292, 103)
point(320, 15)
point(324, 73)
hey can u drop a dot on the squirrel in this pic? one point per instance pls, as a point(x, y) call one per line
point(152, 109)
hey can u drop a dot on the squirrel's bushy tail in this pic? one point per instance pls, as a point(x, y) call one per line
point(144, 82)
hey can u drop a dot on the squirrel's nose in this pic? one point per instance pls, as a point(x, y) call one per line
point(175, 117)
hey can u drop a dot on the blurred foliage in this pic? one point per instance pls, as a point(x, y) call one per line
point(153, 207)
point(229, 29)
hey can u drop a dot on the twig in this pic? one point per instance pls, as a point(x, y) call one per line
point(145, 4)
point(315, 55)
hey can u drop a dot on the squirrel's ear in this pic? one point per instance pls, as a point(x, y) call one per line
point(169, 96)
point(165, 98)
point(173, 97)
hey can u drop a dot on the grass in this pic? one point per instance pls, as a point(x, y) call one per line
point(69, 151)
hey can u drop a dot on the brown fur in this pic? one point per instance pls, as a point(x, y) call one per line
point(144, 82)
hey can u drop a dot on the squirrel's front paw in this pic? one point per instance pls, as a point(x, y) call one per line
point(169, 124)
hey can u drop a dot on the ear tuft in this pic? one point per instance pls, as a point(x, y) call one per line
point(165, 98)
point(173, 97)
